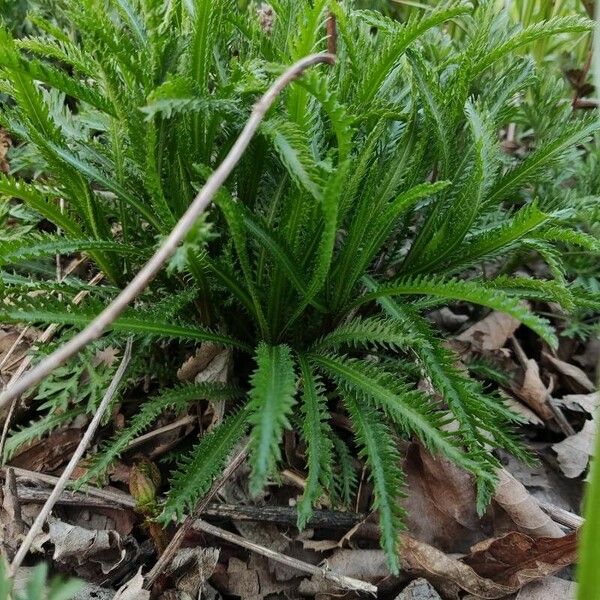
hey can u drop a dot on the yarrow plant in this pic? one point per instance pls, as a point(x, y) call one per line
point(375, 191)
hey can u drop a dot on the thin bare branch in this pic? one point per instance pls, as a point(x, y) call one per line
point(167, 556)
point(342, 581)
point(116, 497)
point(63, 480)
point(149, 271)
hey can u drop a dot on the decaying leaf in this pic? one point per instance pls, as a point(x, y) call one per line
point(191, 567)
point(133, 589)
point(201, 364)
point(73, 543)
point(253, 580)
point(516, 559)
point(440, 502)
point(581, 402)
point(491, 332)
point(533, 391)
point(48, 454)
point(419, 589)
point(12, 527)
point(575, 451)
point(577, 378)
point(549, 588)
point(5, 144)
point(448, 319)
point(522, 508)
point(521, 409)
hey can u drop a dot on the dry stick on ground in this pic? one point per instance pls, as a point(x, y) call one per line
point(342, 581)
point(63, 480)
point(46, 336)
point(149, 271)
point(167, 556)
point(116, 497)
point(142, 439)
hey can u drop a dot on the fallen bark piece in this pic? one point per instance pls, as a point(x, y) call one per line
point(523, 509)
point(575, 451)
point(419, 589)
point(516, 559)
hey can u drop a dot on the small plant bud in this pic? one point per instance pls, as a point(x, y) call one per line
point(144, 482)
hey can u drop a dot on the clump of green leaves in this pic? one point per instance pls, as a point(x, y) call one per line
point(37, 586)
point(375, 191)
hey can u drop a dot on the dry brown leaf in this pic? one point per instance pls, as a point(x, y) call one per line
point(253, 581)
point(366, 565)
point(522, 508)
point(419, 589)
point(5, 144)
point(516, 559)
point(521, 409)
point(531, 560)
point(580, 402)
point(48, 454)
point(211, 363)
point(85, 545)
point(133, 589)
point(106, 357)
point(491, 332)
point(550, 588)
point(574, 374)
point(200, 361)
point(446, 573)
point(191, 568)
point(12, 526)
point(575, 451)
point(440, 502)
point(447, 319)
point(533, 391)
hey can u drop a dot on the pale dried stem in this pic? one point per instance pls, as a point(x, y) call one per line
point(167, 556)
point(138, 441)
point(116, 497)
point(63, 480)
point(149, 271)
point(341, 581)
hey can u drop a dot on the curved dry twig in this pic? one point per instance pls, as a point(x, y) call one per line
point(99, 325)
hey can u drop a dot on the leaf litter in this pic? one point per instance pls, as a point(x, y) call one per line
point(448, 550)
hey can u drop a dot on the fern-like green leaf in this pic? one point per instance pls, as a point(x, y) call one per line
point(467, 291)
point(271, 401)
point(316, 433)
point(196, 471)
point(177, 400)
point(378, 449)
